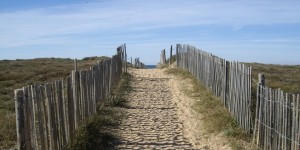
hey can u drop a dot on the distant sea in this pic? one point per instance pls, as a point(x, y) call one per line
point(150, 66)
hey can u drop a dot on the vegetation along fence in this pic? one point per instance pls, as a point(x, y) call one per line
point(47, 115)
point(276, 124)
point(138, 64)
point(229, 80)
point(163, 60)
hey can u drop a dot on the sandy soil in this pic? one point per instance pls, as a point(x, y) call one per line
point(192, 121)
point(160, 116)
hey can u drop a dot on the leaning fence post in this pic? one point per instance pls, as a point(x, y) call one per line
point(19, 103)
point(261, 84)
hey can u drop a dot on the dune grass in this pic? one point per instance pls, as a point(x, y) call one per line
point(279, 76)
point(15, 74)
point(95, 132)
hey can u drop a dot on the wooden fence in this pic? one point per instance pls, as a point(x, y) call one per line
point(48, 115)
point(163, 60)
point(138, 64)
point(163, 57)
point(277, 123)
point(229, 80)
point(277, 114)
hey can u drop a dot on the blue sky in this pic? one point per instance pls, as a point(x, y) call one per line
point(266, 31)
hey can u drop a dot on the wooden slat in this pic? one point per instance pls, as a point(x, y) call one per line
point(75, 87)
point(45, 116)
point(27, 118)
point(51, 120)
point(20, 122)
point(71, 108)
point(60, 112)
point(42, 131)
point(33, 121)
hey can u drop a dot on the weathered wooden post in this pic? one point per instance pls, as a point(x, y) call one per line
point(163, 57)
point(75, 64)
point(261, 79)
point(51, 116)
point(125, 58)
point(227, 79)
point(170, 60)
point(126, 69)
point(75, 87)
point(261, 84)
point(19, 101)
point(177, 55)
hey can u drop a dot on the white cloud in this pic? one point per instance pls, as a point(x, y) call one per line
point(118, 21)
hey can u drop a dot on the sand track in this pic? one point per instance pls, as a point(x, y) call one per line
point(151, 121)
point(159, 116)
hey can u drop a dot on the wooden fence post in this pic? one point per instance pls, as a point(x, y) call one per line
point(33, 117)
point(75, 86)
point(42, 131)
point(51, 119)
point(75, 64)
point(70, 99)
point(227, 79)
point(27, 116)
point(261, 79)
point(163, 57)
point(19, 101)
point(177, 55)
point(60, 111)
point(261, 84)
point(170, 60)
point(125, 58)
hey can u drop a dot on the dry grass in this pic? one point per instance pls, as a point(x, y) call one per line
point(15, 74)
point(161, 66)
point(116, 98)
point(217, 119)
point(95, 132)
point(279, 76)
point(284, 77)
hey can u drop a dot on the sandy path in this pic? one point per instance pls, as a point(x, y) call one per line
point(193, 123)
point(152, 117)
